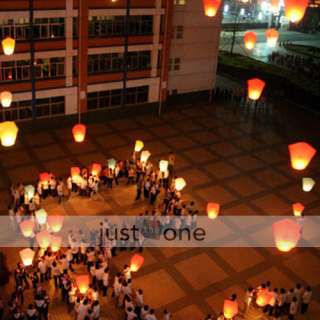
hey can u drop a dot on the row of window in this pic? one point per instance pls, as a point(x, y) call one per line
point(54, 28)
point(112, 98)
point(20, 110)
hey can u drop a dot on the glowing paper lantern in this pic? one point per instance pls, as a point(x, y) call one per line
point(79, 132)
point(29, 191)
point(307, 184)
point(286, 234)
point(163, 165)
point(26, 228)
point(112, 164)
point(274, 5)
point(8, 133)
point(55, 243)
point(213, 210)
point(96, 169)
point(44, 239)
point(301, 153)
point(272, 36)
point(179, 184)
point(55, 223)
point(211, 7)
point(136, 262)
point(75, 172)
point(297, 209)
point(263, 298)
point(83, 282)
point(145, 155)
point(295, 9)
point(230, 308)
point(8, 45)
point(255, 88)
point(41, 216)
point(250, 39)
point(138, 146)
point(27, 256)
point(6, 99)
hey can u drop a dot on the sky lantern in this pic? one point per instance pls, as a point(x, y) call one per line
point(29, 191)
point(44, 178)
point(96, 169)
point(179, 184)
point(75, 171)
point(213, 210)
point(307, 184)
point(274, 6)
point(263, 297)
point(272, 36)
point(83, 282)
point(255, 88)
point(8, 133)
point(6, 99)
point(250, 39)
point(297, 209)
point(55, 243)
point(8, 45)
point(44, 239)
point(295, 9)
point(27, 256)
point(112, 163)
point(41, 216)
point(211, 7)
point(301, 153)
point(55, 223)
point(163, 165)
point(136, 262)
point(230, 309)
point(138, 146)
point(145, 155)
point(26, 228)
point(79, 132)
point(286, 234)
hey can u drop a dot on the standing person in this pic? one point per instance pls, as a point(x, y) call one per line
point(1, 308)
point(306, 299)
point(166, 315)
point(293, 309)
point(96, 310)
point(60, 190)
point(105, 281)
point(151, 315)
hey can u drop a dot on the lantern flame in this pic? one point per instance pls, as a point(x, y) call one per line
point(55, 223)
point(6, 99)
point(26, 228)
point(44, 239)
point(297, 209)
point(41, 216)
point(295, 9)
point(55, 243)
point(138, 146)
point(83, 282)
point(179, 184)
point(8, 133)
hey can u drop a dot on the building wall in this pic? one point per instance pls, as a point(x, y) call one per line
point(197, 48)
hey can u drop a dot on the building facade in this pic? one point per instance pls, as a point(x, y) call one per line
point(99, 54)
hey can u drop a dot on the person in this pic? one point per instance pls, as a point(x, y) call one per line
point(293, 309)
point(96, 310)
point(144, 312)
point(166, 315)
point(151, 315)
point(248, 298)
point(83, 310)
point(306, 299)
point(31, 312)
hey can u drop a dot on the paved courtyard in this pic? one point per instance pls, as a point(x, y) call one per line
point(227, 155)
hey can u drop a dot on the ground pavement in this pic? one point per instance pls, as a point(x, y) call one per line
point(226, 155)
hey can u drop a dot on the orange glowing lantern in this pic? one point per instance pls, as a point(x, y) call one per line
point(79, 132)
point(136, 262)
point(44, 239)
point(263, 297)
point(26, 228)
point(55, 243)
point(295, 9)
point(297, 209)
point(255, 88)
point(41, 216)
point(6, 98)
point(96, 169)
point(44, 178)
point(8, 133)
point(179, 184)
point(8, 45)
point(286, 234)
point(27, 256)
point(138, 146)
point(75, 172)
point(301, 153)
point(250, 39)
point(145, 155)
point(83, 282)
point(230, 308)
point(211, 7)
point(272, 36)
point(213, 210)
point(274, 6)
point(55, 223)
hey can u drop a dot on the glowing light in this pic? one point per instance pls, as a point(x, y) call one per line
point(295, 9)
point(44, 239)
point(79, 132)
point(145, 155)
point(55, 223)
point(179, 184)
point(27, 256)
point(138, 146)
point(8, 45)
point(307, 184)
point(211, 7)
point(230, 309)
point(55, 243)
point(297, 209)
point(213, 210)
point(255, 88)
point(250, 39)
point(8, 133)
point(6, 98)
point(41, 216)
point(136, 262)
point(272, 36)
point(26, 228)
point(163, 165)
point(301, 153)
point(83, 282)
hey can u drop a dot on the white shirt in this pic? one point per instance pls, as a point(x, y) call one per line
point(150, 317)
point(105, 279)
point(293, 308)
point(306, 298)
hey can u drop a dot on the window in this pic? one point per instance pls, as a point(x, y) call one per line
point(112, 98)
point(174, 64)
point(180, 2)
point(178, 32)
point(103, 26)
point(44, 28)
point(20, 110)
point(113, 62)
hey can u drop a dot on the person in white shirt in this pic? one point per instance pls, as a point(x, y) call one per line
point(139, 298)
point(42, 266)
point(105, 282)
point(306, 299)
point(83, 310)
point(144, 312)
point(166, 315)
point(130, 314)
point(151, 315)
point(96, 310)
point(293, 309)
point(126, 272)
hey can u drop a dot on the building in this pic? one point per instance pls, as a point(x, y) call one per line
point(100, 54)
